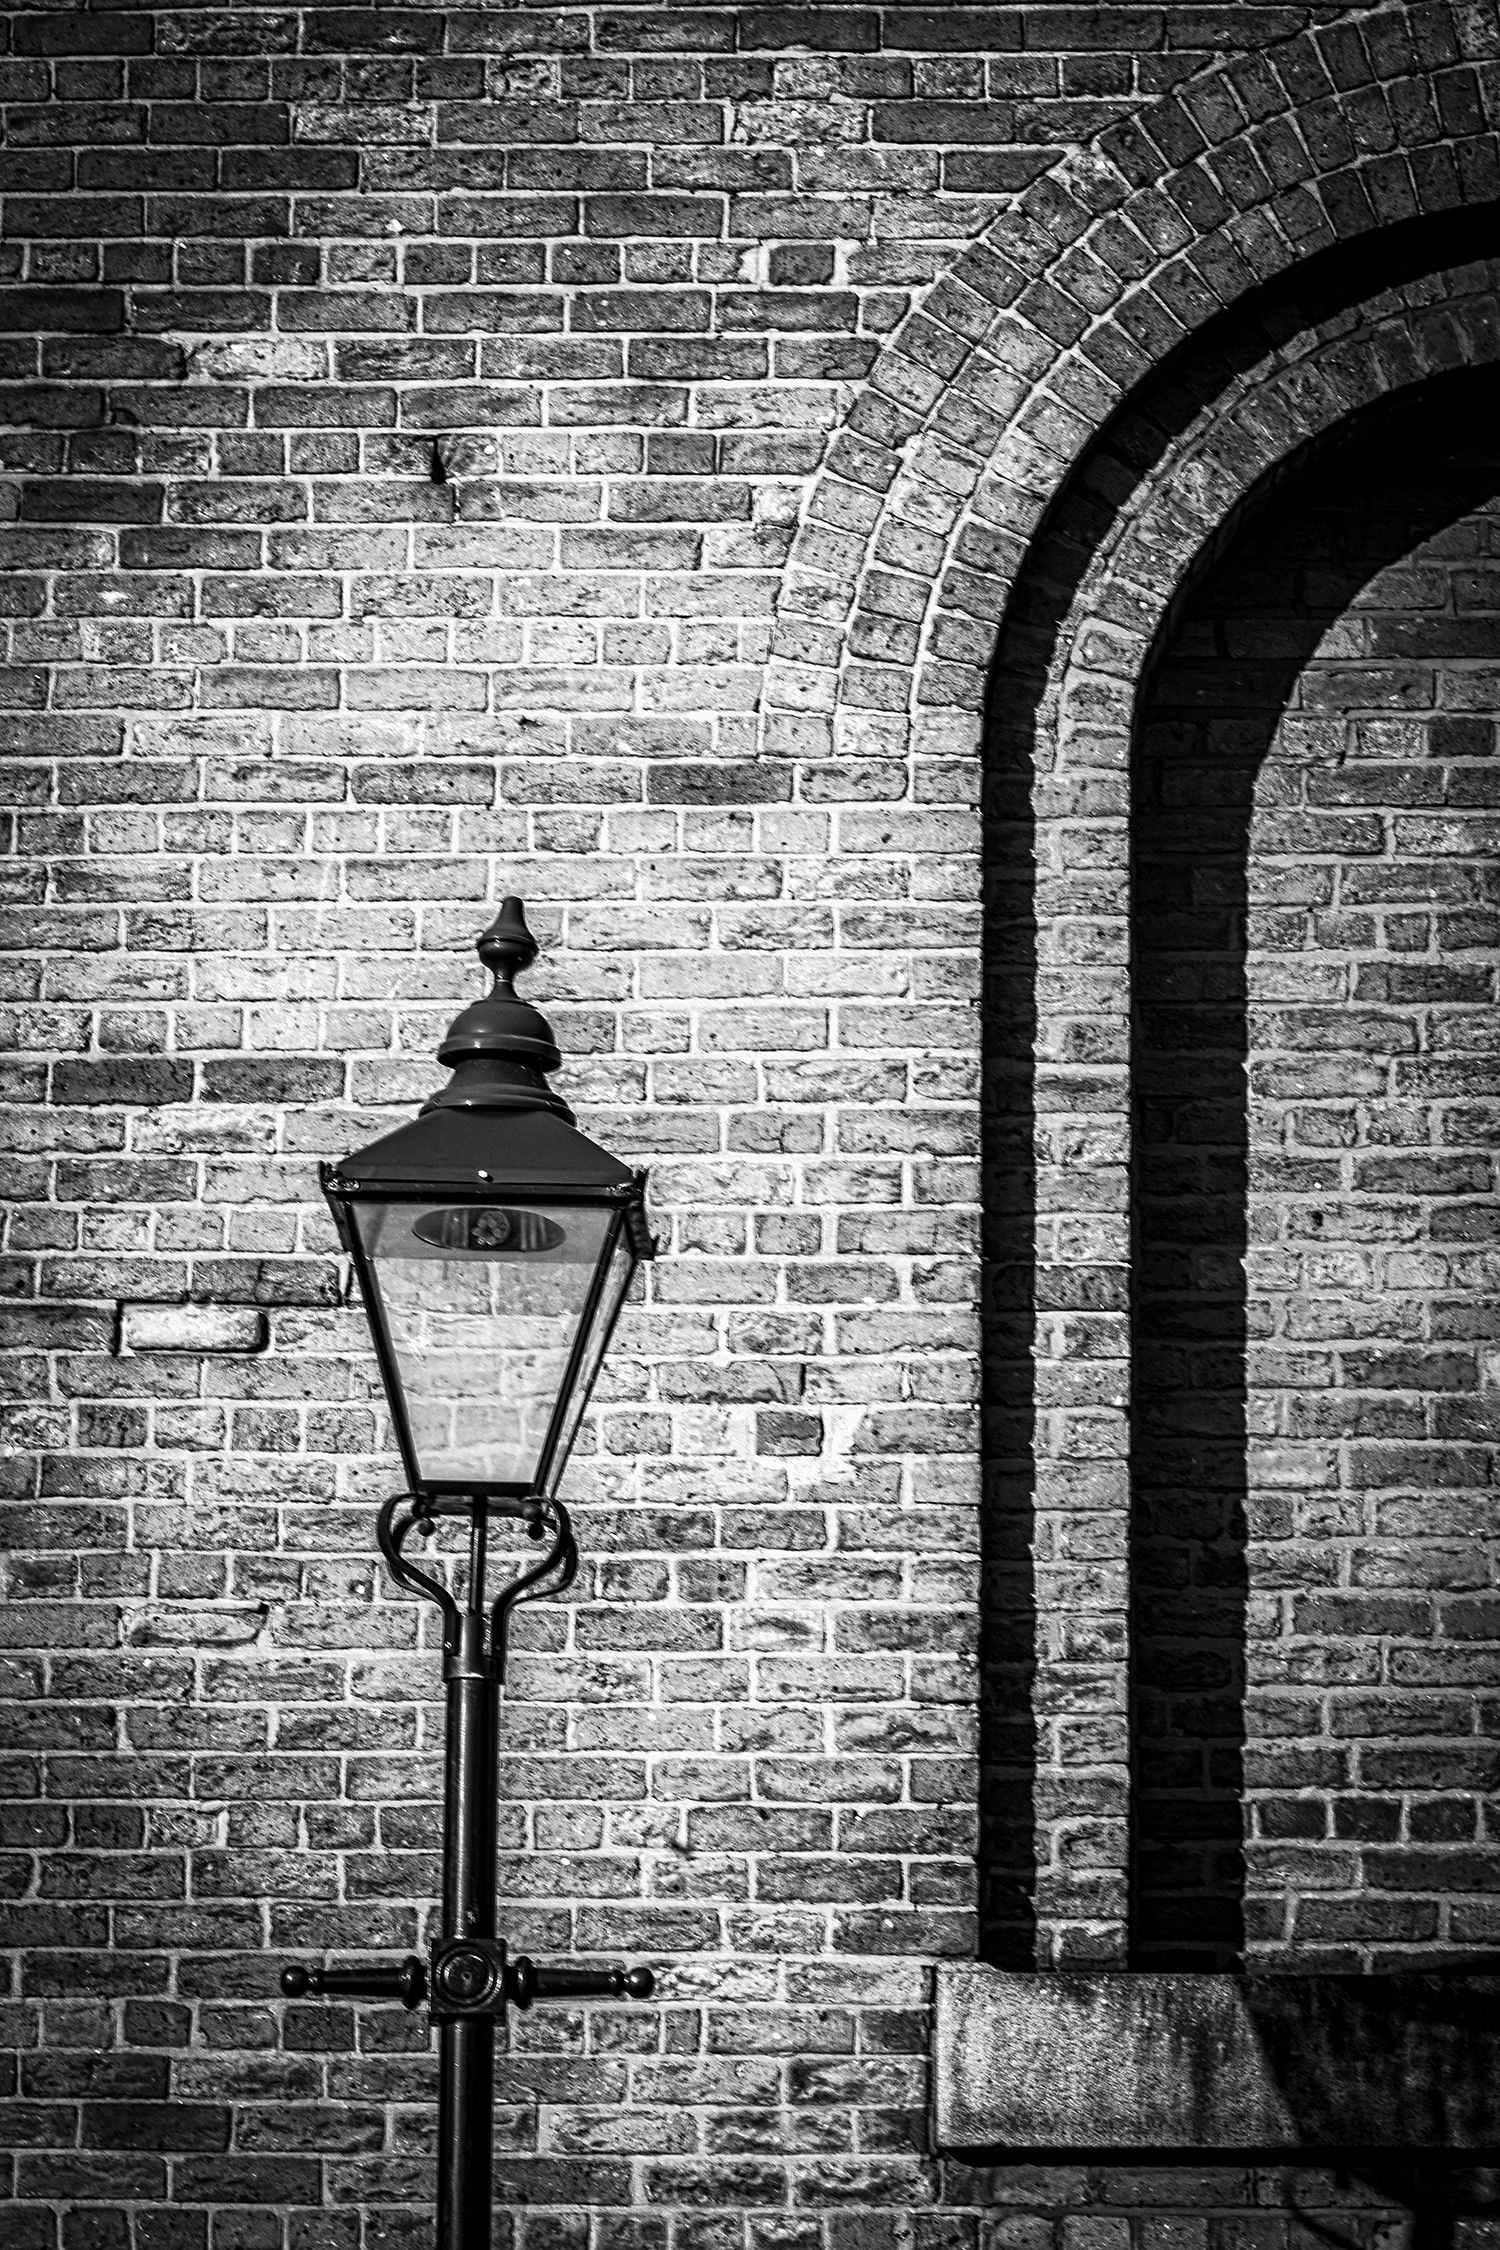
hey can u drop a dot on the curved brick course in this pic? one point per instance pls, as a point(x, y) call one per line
point(981, 404)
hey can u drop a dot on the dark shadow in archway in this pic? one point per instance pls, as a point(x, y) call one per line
point(1209, 710)
point(1008, 1610)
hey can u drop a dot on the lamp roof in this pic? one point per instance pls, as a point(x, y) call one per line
point(486, 1151)
point(497, 1124)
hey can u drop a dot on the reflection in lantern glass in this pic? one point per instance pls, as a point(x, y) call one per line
point(484, 1226)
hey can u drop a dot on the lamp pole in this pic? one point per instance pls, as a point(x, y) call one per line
point(493, 1245)
point(466, 2047)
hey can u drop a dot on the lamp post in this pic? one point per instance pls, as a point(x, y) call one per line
point(493, 1245)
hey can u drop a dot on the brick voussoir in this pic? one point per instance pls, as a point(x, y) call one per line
point(1024, 235)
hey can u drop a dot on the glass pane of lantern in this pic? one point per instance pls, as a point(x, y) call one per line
point(621, 1267)
point(482, 1305)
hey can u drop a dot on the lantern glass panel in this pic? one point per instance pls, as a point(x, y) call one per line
point(617, 1280)
point(483, 1306)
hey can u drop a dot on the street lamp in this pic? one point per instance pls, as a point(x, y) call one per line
point(493, 1245)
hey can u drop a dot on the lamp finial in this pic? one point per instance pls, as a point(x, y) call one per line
point(501, 1049)
point(507, 946)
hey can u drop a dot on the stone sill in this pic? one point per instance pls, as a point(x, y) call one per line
point(1051, 2062)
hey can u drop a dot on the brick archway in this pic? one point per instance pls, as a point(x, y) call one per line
point(1172, 314)
point(984, 401)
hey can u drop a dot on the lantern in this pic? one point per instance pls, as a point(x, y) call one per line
point(494, 1245)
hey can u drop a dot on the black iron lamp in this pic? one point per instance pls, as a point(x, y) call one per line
point(494, 1246)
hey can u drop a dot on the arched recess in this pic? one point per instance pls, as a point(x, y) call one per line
point(1314, 1298)
point(1151, 507)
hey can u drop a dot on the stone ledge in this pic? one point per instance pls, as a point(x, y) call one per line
point(1048, 2062)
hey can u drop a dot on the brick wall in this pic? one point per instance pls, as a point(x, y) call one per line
point(407, 416)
